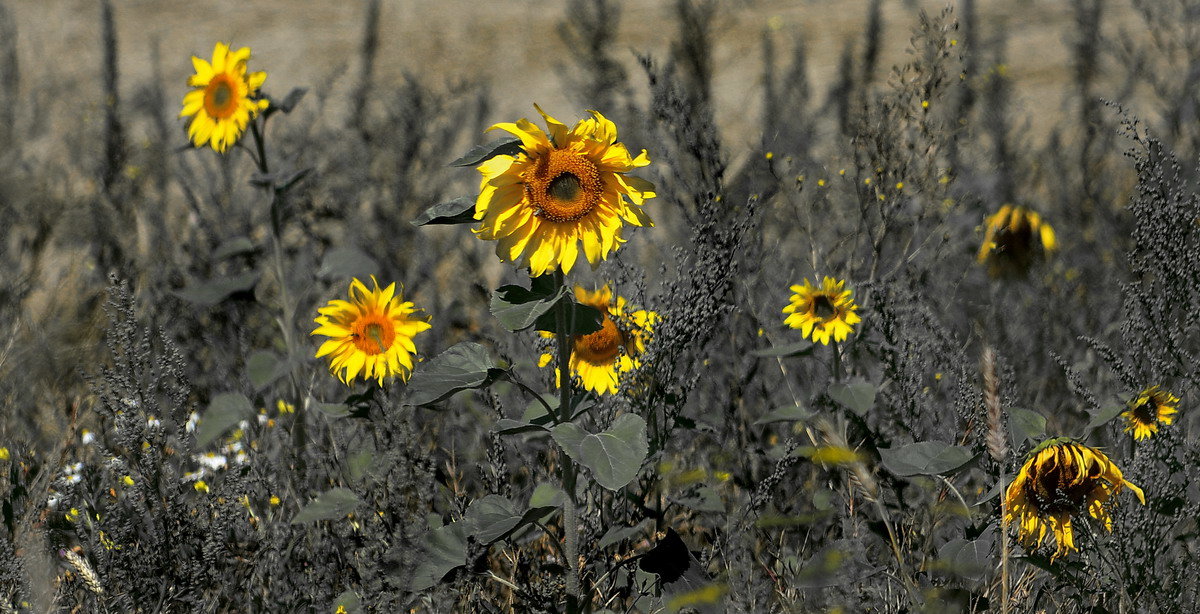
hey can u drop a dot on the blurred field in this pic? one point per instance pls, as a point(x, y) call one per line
point(513, 45)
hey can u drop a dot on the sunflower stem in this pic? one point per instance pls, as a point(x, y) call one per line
point(570, 518)
point(1003, 547)
point(287, 313)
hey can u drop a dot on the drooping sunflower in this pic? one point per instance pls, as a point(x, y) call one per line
point(1147, 410)
point(1013, 238)
point(224, 98)
point(822, 312)
point(371, 334)
point(1062, 479)
point(598, 359)
point(561, 189)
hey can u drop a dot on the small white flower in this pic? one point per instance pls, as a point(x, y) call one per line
point(73, 469)
point(212, 460)
point(241, 458)
point(195, 475)
point(72, 478)
point(262, 418)
point(88, 437)
point(193, 420)
point(153, 422)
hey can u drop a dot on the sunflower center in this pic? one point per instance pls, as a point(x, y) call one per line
point(219, 97)
point(373, 334)
point(602, 346)
point(823, 307)
point(563, 186)
point(1146, 412)
point(1061, 488)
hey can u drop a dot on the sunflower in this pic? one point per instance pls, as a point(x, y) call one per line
point(224, 98)
point(822, 312)
point(560, 189)
point(1062, 479)
point(1148, 409)
point(1013, 238)
point(371, 334)
point(598, 359)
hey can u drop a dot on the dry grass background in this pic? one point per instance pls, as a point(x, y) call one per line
point(513, 44)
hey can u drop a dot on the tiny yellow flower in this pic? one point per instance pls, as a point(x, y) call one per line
point(274, 500)
point(821, 183)
point(924, 104)
point(284, 407)
point(899, 185)
point(200, 486)
point(4, 455)
point(770, 155)
point(128, 481)
point(72, 515)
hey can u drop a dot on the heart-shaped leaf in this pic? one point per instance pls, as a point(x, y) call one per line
point(519, 308)
point(329, 505)
point(460, 210)
point(614, 456)
point(224, 411)
point(856, 395)
point(925, 458)
point(1027, 424)
point(462, 367)
point(504, 146)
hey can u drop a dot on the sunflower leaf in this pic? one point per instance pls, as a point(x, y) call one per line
point(494, 518)
point(264, 367)
point(460, 210)
point(925, 458)
point(519, 308)
point(347, 261)
point(445, 550)
point(483, 153)
point(585, 319)
point(787, 413)
point(329, 505)
point(1027, 423)
point(857, 395)
point(289, 102)
point(1103, 417)
point(798, 348)
point(614, 455)
point(213, 291)
point(462, 367)
point(224, 411)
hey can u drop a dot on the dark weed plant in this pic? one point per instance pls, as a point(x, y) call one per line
point(897, 349)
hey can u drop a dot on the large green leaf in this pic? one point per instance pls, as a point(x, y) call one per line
point(264, 367)
point(445, 549)
point(462, 367)
point(519, 308)
point(970, 559)
point(461, 210)
point(1027, 424)
point(507, 146)
point(798, 348)
point(787, 413)
point(1104, 416)
point(614, 456)
point(925, 458)
point(329, 505)
point(582, 319)
point(857, 395)
point(210, 292)
point(493, 517)
point(224, 411)
point(346, 262)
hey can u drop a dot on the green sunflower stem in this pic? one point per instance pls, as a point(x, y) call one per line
point(837, 361)
point(286, 308)
point(570, 515)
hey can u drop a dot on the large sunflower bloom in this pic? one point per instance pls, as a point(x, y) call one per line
point(1013, 237)
point(822, 312)
point(371, 334)
point(224, 98)
point(1062, 479)
point(561, 189)
point(1147, 410)
point(598, 359)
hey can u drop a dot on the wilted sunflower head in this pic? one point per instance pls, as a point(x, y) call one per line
point(1060, 480)
point(1149, 408)
point(563, 188)
point(1013, 238)
point(598, 359)
point(822, 312)
point(371, 334)
point(223, 99)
